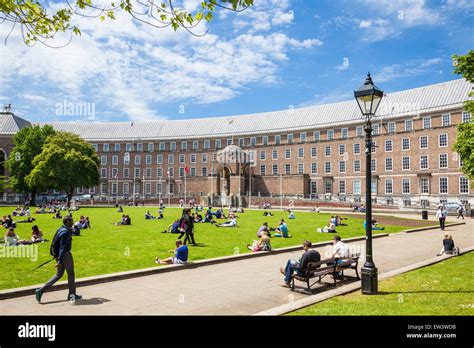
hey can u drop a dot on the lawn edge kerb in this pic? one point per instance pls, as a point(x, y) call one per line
point(104, 278)
point(350, 288)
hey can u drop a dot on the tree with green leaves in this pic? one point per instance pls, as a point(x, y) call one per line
point(66, 162)
point(27, 144)
point(39, 24)
point(464, 145)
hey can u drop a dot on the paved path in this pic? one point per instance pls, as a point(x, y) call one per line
point(239, 287)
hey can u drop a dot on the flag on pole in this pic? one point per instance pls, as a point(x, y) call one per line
point(186, 169)
point(116, 176)
point(168, 172)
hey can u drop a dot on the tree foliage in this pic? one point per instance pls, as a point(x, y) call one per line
point(66, 162)
point(464, 145)
point(27, 144)
point(38, 24)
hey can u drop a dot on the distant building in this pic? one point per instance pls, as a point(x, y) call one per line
point(313, 153)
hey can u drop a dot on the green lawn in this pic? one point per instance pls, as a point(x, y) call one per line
point(108, 248)
point(445, 288)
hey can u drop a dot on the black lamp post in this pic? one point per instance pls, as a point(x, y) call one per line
point(368, 98)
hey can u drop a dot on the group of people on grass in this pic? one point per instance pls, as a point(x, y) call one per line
point(12, 239)
point(333, 222)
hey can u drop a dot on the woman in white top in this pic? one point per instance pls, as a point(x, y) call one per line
point(11, 239)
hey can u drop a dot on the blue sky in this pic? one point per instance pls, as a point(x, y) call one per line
point(277, 55)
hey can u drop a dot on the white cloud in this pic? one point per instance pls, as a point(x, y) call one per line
point(131, 68)
point(411, 68)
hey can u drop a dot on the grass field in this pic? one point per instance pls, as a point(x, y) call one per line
point(107, 248)
point(445, 288)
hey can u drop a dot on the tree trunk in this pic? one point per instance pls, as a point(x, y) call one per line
point(69, 197)
point(33, 197)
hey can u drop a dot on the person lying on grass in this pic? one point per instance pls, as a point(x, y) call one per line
point(231, 223)
point(282, 230)
point(261, 245)
point(180, 255)
point(29, 220)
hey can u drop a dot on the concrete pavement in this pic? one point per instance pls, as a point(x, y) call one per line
point(235, 288)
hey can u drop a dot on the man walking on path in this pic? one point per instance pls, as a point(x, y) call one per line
point(441, 215)
point(460, 211)
point(61, 250)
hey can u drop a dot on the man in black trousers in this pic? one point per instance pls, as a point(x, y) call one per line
point(61, 250)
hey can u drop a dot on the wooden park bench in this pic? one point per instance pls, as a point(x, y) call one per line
point(328, 267)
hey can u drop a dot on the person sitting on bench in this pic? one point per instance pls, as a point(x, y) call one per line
point(231, 223)
point(282, 230)
point(261, 245)
point(180, 255)
point(299, 266)
point(340, 249)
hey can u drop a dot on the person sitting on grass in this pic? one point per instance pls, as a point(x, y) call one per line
point(231, 223)
point(209, 218)
point(301, 265)
point(263, 228)
point(375, 226)
point(173, 228)
point(282, 230)
point(339, 221)
point(448, 246)
point(180, 255)
point(160, 215)
point(12, 239)
point(120, 209)
point(198, 218)
point(261, 245)
point(291, 216)
point(267, 213)
point(8, 222)
point(125, 220)
point(36, 234)
point(331, 228)
point(58, 215)
point(148, 216)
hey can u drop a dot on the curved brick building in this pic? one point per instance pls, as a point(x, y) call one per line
point(314, 153)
